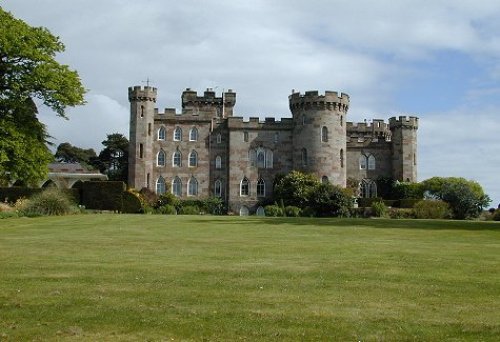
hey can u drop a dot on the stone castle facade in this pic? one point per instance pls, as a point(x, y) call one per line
point(207, 151)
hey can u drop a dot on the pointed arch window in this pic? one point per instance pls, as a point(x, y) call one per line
point(304, 157)
point(261, 188)
point(218, 162)
point(269, 159)
point(342, 157)
point(162, 133)
point(368, 188)
point(324, 134)
point(193, 187)
point(160, 158)
point(193, 159)
point(177, 159)
point(371, 162)
point(193, 134)
point(219, 138)
point(177, 187)
point(160, 186)
point(178, 134)
point(261, 159)
point(244, 187)
point(218, 188)
point(362, 162)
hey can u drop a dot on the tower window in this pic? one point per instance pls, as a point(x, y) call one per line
point(261, 188)
point(219, 138)
point(193, 159)
point(276, 137)
point(218, 188)
point(142, 111)
point(245, 136)
point(149, 129)
point(177, 134)
point(193, 134)
point(177, 187)
point(161, 133)
point(192, 187)
point(324, 134)
point(218, 162)
point(141, 151)
point(341, 157)
point(244, 187)
point(304, 157)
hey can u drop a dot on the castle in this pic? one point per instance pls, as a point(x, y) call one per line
point(206, 151)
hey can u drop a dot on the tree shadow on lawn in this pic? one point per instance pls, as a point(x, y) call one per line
point(353, 222)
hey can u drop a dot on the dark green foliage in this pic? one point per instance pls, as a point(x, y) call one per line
point(431, 209)
point(166, 209)
point(273, 210)
point(401, 213)
point(71, 154)
point(408, 203)
point(379, 209)
point(329, 200)
point(103, 195)
point(131, 203)
point(295, 188)
point(292, 211)
point(367, 202)
point(49, 202)
point(189, 210)
point(496, 215)
point(406, 190)
point(385, 187)
point(113, 159)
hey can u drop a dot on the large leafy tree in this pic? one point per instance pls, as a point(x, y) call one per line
point(114, 157)
point(28, 71)
point(72, 154)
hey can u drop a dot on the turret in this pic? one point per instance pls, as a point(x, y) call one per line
point(319, 137)
point(142, 109)
point(208, 105)
point(404, 147)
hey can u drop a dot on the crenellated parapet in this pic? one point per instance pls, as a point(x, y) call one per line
point(255, 123)
point(403, 122)
point(312, 100)
point(190, 98)
point(138, 94)
point(361, 130)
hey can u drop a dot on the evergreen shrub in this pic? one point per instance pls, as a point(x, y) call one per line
point(379, 209)
point(431, 209)
point(273, 210)
point(292, 211)
point(49, 202)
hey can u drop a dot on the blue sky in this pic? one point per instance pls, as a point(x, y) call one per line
point(438, 60)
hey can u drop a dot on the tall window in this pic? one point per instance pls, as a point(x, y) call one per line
point(193, 134)
point(269, 159)
point(371, 162)
point(142, 111)
point(218, 162)
point(324, 134)
point(177, 187)
point(193, 159)
point(219, 138)
point(244, 187)
point(192, 187)
point(368, 188)
point(341, 120)
point(160, 159)
point(141, 151)
point(161, 133)
point(304, 157)
point(160, 186)
point(261, 159)
point(218, 188)
point(177, 134)
point(261, 188)
point(362, 162)
point(276, 137)
point(341, 157)
point(245, 136)
point(177, 159)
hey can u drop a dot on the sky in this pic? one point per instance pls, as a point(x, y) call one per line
point(435, 59)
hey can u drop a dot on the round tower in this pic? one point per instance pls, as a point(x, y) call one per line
point(141, 161)
point(319, 135)
point(404, 148)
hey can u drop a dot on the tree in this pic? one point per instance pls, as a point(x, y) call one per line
point(114, 157)
point(28, 70)
point(295, 188)
point(465, 197)
point(71, 154)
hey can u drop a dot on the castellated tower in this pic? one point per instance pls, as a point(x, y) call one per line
point(319, 134)
point(142, 110)
point(404, 147)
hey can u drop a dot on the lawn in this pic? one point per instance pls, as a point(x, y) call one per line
point(145, 277)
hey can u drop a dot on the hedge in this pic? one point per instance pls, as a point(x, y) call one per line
point(103, 195)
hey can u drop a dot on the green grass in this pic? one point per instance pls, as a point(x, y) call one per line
point(143, 277)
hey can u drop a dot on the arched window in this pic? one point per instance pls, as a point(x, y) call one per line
point(161, 133)
point(141, 151)
point(192, 187)
point(324, 180)
point(269, 159)
point(362, 162)
point(244, 211)
point(142, 111)
point(160, 186)
point(219, 138)
point(177, 159)
point(371, 162)
point(260, 211)
point(341, 157)
point(218, 188)
point(193, 134)
point(304, 157)
point(252, 157)
point(160, 158)
point(368, 188)
point(324, 134)
point(261, 159)
point(177, 187)
point(177, 134)
point(218, 162)
point(244, 187)
point(261, 188)
point(193, 159)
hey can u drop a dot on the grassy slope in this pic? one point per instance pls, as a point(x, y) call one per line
point(109, 277)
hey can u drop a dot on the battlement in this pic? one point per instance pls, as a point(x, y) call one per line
point(190, 98)
point(238, 122)
point(403, 121)
point(138, 93)
point(359, 131)
point(312, 99)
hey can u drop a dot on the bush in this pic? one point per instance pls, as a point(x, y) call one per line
point(131, 203)
point(103, 195)
point(189, 210)
point(292, 211)
point(431, 210)
point(273, 210)
point(401, 213)
point(408, 203)
point(49, 202)
point(168, 209)
point(496, 215)
point(379, 209)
